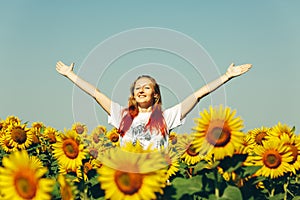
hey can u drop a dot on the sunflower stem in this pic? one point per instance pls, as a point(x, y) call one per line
point(285, 186)
point(272, 192)
point(189, 175)
point(217, 191)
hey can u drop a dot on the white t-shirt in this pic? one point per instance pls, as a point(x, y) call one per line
point(137, 132)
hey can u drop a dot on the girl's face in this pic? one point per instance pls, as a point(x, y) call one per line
point(143, 92)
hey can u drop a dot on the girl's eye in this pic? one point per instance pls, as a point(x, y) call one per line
point(137, 88)
point(147, 87)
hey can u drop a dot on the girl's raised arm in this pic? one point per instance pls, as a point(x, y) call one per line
point(233, 71)
point(67, 71)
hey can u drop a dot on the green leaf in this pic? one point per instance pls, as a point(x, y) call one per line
point(200, 166)
point(55, 193)
point(231, 193)
point(212, 197)
point(93, 181)
point(215, 164)
point(187, 186)
point(230, 164)
point(182, 169)
point(279, 196)
point(250, 170)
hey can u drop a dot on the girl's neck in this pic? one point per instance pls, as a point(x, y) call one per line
point(144, 110)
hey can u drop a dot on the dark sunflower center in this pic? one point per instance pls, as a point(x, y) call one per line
point(114, 138)
point(94, 153)
point(18, 135)
point(218, 136)
point(38, 126)
point(272, 159)
point(71, 148)
point(96, 138)
point(128, 183)
point(51, 137)
point(173, 139)
point(79, 129)
point(260, 137)
point(36, 140)
point(25, 184)
point(191, 151)
point(294, 151)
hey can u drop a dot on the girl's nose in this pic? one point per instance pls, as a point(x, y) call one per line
point(141, 89)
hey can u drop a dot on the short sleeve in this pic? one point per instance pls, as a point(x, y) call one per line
point(172, 117)
point(115, 116)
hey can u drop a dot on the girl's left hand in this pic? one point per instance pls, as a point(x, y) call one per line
point(234, 71)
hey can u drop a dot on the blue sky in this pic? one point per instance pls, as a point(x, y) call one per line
point(34, 35)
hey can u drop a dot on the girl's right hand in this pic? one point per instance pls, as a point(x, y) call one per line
point(64, 69)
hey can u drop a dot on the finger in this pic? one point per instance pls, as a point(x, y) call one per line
point(59, 64)
point(72, 65)
point(248, 66)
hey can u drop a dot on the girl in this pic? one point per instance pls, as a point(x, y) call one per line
point(143, 120)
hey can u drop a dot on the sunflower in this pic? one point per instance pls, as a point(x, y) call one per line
point(79, 128)
point(172, 161)
point(273, 156)
point(248, 144)
point(4, 143)
point(259, 134)
point(81, 172)
point(50, 134)
point(218, 132)
point(173, 138)
point(96, 150)
point(2, 124)
point(38, 126)
point(68, 190)
point(69, 150)
point(187, 151)
point(38, 129)
point(89, 166)
point(11, 120)
point(293, 142)
point(19, 135)
point(113, 136)
point(21, 177)
point(76, 174)
point(98, 134)
point(280, 129)
point(99, 130)
point(126, 175)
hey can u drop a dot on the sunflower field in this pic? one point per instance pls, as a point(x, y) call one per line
point(216, 160)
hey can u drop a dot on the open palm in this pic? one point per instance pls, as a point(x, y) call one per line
point(233, 71)
point(64, 69)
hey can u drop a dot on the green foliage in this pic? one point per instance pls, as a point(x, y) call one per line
point(231, 193)
point(185, 186)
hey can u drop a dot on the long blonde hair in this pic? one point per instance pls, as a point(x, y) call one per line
point(156, 120)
